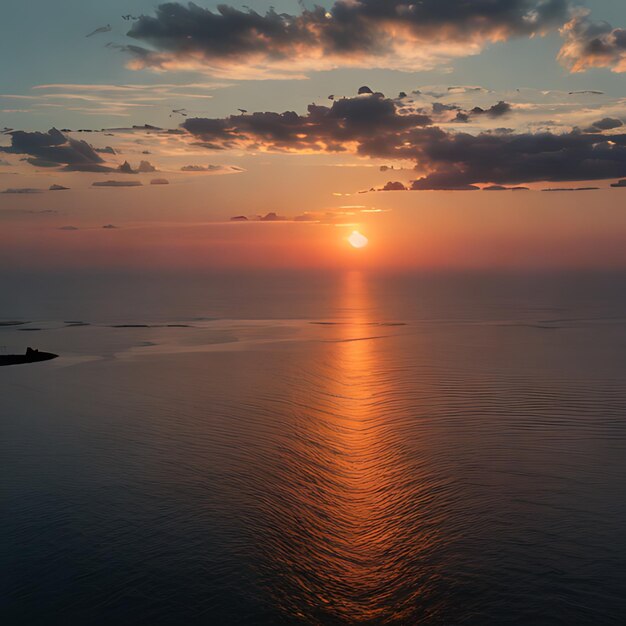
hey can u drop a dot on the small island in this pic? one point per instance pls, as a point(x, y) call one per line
point(30, 356)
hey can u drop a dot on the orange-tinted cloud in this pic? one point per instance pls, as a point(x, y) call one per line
point(398, 34)
point(589, 43)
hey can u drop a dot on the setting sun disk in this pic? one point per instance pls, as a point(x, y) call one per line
point(357, 240)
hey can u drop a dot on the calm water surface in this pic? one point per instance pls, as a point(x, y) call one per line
point(337, 449)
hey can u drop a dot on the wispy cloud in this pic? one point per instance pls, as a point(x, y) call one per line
point(115, 100)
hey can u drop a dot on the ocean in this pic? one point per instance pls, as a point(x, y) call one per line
point(313, 448)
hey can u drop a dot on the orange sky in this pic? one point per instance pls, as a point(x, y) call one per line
point(430, 98)
point(187, 226)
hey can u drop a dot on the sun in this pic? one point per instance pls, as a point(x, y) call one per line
point(357, 240)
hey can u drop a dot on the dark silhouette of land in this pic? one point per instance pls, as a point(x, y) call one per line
point(30, 356)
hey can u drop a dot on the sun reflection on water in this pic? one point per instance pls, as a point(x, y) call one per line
point(337, 537)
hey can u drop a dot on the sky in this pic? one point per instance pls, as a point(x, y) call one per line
point(452, 134)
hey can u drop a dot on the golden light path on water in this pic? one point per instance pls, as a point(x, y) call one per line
point(338, 538)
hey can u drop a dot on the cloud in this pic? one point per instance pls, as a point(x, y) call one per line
point(443, 181)
point(571, 189)
point(327, 217)
point(159, 181)
point(55, 149)
point(589, 43)
point(272, 217)
point(67, 228)
point(109, 227)
point(371, 125)
point(323, 128)
point(394, 186)
point(619, 183)
point(503, 188)
point(460, 160)
point(144, 167)
point(101, 29)
point(22, 190)
point(397, 34)
point(58, 188)
point(497, 110)
point(606, 123)
point(117, 183)
point(212, 169)
point(201, 168)
point(115, 100)
point(439, 108)
point(268, 217)
point(442, 112)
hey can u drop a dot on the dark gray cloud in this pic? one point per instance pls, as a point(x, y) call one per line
point(497, 110)
point(363, 32)
point(323, 128)
point(373, 126)
point(58, 188)
point(117, 183)
point(22, 190)
point(439, 108)
point(571, 189)
point(442, 112)
point(503, 188)
point(394, 186)
point(55, 149)
point(606, 123)
point(589, 43)
point(461, 160)
point(619, 183)
point(443, 181)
